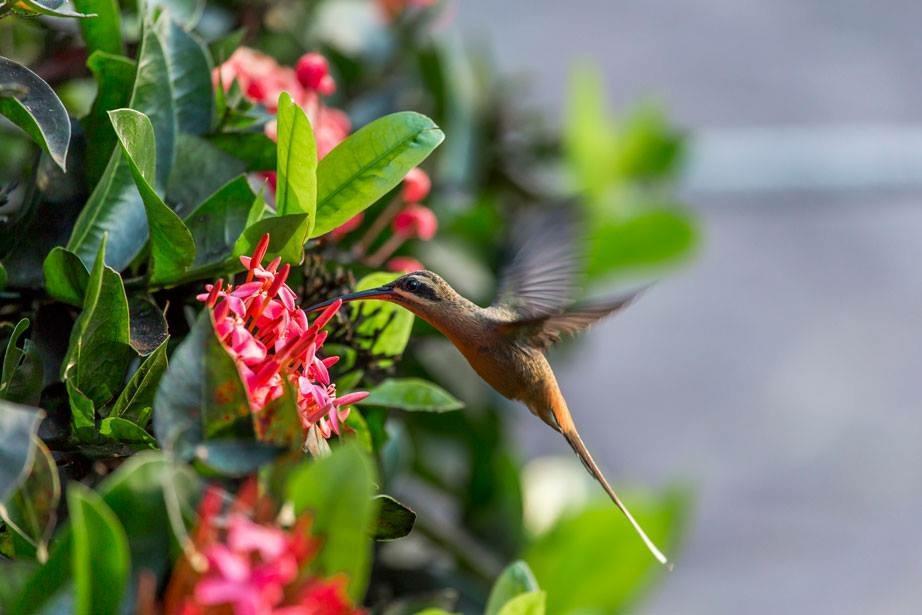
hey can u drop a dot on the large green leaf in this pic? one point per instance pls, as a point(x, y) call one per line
point(532, 603)
point(30, 103)
point(337, 491)
point(114, 76)
point(100, 575)
point(413, 395)
point(104, 31)
point(593, 561)
point(384, 328)
point(515, 580)
point(32, 509)
point(369, 163)
point(124, 431)
point(173, 88)
point(172, 249)
point(286, 233)
point(296, 190)
point(137, 398)
point(201, 394)
point(216, 225)
point(18, 425)
point(100, 343)
point(254, 149)
point(66, 277)
point(199, 170)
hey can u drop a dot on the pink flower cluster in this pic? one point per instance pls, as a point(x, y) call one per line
point(271, 341)
point(254, 569)
point(262, 79)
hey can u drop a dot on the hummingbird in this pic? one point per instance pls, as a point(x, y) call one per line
point(506, 342)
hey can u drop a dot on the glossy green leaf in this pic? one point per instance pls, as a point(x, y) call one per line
point(515, 580)
point(201, 395)
point(216, 225)
point(199, 170)
point(369, 163)
point(22, 375)
point(648, 238)
point(254, 149)
point(50, 8)
point(395, 519)
point(32, 510)
point(100, 575)
point(18, 426)
point(172, 249)
point(123, 430)
point(100, 343)
point(185, 12)
point(387, 325)
point(296, 189)
point(412, 395)
point(593, 560)
point(138, 395)
point(532, 603)
point(337, 490)
point(104, 31)
point(114, 75)
point(287, 237)
point(30, 103)
point(173, 88)
point(66, 277)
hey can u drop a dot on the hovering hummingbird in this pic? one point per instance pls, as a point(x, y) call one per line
point(506, 342)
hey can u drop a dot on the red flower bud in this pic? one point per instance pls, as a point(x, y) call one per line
point(404, 264)
point(311, 70)
point(416, 185)
point(416, 221)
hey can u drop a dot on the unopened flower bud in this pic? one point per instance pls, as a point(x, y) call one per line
point(311, 70)
point(416, 220)
point(416, 185)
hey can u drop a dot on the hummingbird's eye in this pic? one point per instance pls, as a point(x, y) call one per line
point(412, 285)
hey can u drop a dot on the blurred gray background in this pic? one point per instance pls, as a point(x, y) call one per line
point(780, 372)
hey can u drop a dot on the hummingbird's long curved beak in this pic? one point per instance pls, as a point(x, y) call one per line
point(380, 292)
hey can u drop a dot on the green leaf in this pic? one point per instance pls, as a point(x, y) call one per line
point(2, 276)
point(18, 426)
point(533, 603)
point(296, 190)
point(100, 343)
point(254, 149)
point(185, 12)
point(138, 395)
point(337, 490)
point(148, 324)
point(30, 103)
point(648, 238)
point(100, 575)
point(200, 395)
point(515, 580)
point(66, 277)
point(383, 328)
point(589, 133)
point(216, 225)
point(235, 458)
point(104, 31)
point(412, 395)
point(52, 9)
point(172, 250)
point(199, 170)
point(222, 48)
point(395, 520)
point(22, 375)
point(286, 233)
point(114, 75)
point(33, 508)
point(123, 430)
point(173, 88)
point(593, 560)
point(369, 163)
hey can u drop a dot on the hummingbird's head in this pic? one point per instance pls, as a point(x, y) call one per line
point(421, 292)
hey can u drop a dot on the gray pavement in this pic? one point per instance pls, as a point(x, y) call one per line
point(781, 371)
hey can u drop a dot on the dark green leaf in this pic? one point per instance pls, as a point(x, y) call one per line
point(123, 430)
point(31, 104)
point(593, 560)
point(254, 149)
point(356, 422)
point(369, 163)
point(286, 233)
point(199, 170)
point(337, 490)
point(138, 394)
point(100, 344)
point(18, 426)
point(413, 395)
point(222, 48)
point(235, 458)
point(216, 225)
point(387, 325)
point(114, 76)
point(66, 277)
point(201, 394)
point(148, 324)
point(172, 249)
point(2, 276)
point(32, 510)
point(296, 190)
point(515, 580)
point(82, 413)
point(100, 575)
point(104, 31)
point(22, 375)
point(395, 520)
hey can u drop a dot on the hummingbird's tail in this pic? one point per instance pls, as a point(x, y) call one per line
point(576, 443)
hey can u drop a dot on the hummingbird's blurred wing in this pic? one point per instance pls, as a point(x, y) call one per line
point(544, 273)
point(544, 331)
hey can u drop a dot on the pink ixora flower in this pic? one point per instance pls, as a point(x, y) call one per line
point(416, 220)
point(272, 342)
point(404, 264)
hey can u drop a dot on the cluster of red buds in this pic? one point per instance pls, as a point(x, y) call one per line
point(272, 342)
point(252, 568)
